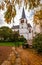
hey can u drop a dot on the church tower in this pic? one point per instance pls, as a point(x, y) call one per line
point(23, 25)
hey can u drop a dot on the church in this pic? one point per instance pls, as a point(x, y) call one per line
point(24, 27)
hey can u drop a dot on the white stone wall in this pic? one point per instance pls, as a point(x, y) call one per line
point(23, 30)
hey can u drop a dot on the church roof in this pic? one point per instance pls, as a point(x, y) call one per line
point(23, 14)
point(15, 27)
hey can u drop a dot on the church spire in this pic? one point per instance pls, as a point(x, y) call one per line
point(23, 14)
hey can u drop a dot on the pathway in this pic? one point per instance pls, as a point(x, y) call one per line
point(21, 56)
point(18, 59)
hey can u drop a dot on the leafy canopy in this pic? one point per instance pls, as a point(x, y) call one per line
point(38, 17)
point(37, 42)
point(11, 10)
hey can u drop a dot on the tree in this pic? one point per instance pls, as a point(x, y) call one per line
point(5, 33)
point(37, 43)
point(31, 3)
point(38, 18)
point(16, 35)
point(11, 11)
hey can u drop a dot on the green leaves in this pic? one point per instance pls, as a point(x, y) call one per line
point(37, 42)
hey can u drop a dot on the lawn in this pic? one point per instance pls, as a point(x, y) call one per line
point(10, 43)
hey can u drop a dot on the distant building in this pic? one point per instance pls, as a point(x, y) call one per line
point(24, 27)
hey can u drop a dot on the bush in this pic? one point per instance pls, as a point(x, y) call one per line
point(22, 39)
point(37, 42)
point(7, 35)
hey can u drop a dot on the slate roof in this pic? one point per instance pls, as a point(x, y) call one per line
point(23, 14)
point(15, 27)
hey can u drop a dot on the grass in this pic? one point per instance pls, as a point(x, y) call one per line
point(10, 43)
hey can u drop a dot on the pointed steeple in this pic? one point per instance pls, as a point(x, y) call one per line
point(23, 14)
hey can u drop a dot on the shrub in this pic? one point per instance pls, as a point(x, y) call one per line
point(22, 39)
point(37, 42)
point(7, 35)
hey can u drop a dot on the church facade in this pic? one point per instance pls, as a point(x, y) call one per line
point(24, 27)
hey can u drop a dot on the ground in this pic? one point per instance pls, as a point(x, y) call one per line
point(25, 56)
point(4, 53)
point(30, 57)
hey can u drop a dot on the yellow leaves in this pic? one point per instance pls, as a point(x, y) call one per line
point(39, 14)
point(17, 1)
point(13, 13)
point(31, 3)
point(38, 17)
point(2, 6)
point(10, 13)
point(6, 1)
point(10, 5)
point(8, 20)
point(36, 20)
point(13, 1)
point(26, 3)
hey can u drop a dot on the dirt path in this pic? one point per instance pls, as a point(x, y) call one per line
point(4, 53)
point(18, 58)
point(28, 57)
point(18, 61)
point(21, 56)
point(24, 58)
